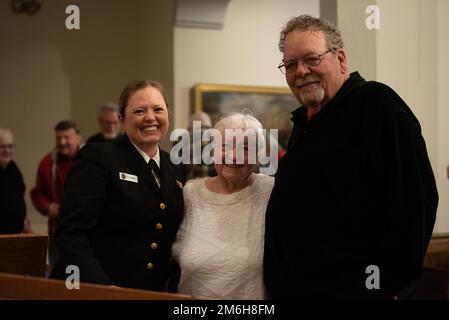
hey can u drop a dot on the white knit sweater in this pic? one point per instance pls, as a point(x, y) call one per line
point(219, 245)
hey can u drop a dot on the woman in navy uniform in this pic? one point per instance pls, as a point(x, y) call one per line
point(123, 200)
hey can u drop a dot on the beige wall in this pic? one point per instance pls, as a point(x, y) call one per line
point(408, 53)
point(408, 47)
point(407, 59)
point(443, 112)
point(360, 43)
point(49, 73)
point(243, 52)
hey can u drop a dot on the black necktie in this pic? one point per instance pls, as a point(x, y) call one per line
point(153, 166)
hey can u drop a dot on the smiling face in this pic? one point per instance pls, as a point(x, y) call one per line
point(146, 119)
point(67, 142)
point(315, 86)
point(231, 168)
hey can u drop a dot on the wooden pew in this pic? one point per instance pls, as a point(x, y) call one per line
point(24, 254)
point(438, 251)
point(433, 284)
point(434, 281)
point(19, 287)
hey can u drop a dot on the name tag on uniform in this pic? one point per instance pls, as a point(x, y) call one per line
point(128, 177)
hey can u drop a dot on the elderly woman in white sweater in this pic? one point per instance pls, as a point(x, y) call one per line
point(219, 245)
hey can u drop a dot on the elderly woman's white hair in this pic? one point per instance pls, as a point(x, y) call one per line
point(238, 120)
point(243, 121)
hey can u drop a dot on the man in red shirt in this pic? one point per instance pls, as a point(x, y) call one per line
point(52, 171)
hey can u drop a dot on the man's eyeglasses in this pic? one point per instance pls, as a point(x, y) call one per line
point(310, 60)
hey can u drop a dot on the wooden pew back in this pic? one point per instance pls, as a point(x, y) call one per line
point(23, 254)
point(438, 251)
point(434, 281)
point(21, 287)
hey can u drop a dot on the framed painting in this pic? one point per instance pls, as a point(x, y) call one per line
point(272, 106)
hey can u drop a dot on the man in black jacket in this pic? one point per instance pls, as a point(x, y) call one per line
point(354, 202)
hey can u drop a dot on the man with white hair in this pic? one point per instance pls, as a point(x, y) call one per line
point(199, 170)
point(109, 122)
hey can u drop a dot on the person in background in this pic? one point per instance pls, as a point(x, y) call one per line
point(354, 201)
point(12, 189)
point(109, 122)
point(219, 247)
point(46, 195)
point(199, 170)
point(123, 200)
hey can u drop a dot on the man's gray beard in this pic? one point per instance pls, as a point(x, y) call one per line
point(314, 99)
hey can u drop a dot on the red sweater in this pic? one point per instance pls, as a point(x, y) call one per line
point(44, 192)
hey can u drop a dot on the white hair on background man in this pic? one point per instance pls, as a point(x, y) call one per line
point(203, 117)
point(6, 133)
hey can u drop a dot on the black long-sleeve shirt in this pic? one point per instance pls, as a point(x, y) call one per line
point(12, 203)
point(355, 189)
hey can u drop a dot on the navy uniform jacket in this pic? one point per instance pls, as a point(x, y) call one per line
point(355, 189)
point(115, 224)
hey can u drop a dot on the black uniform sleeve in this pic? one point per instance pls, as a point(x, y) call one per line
point(83, 203)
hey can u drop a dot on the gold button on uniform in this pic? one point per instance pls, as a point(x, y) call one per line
point(158, 226)
point(150, 266)
point(162, 206)
point(154, 246)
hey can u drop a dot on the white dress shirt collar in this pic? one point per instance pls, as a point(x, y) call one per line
point(156, 158)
